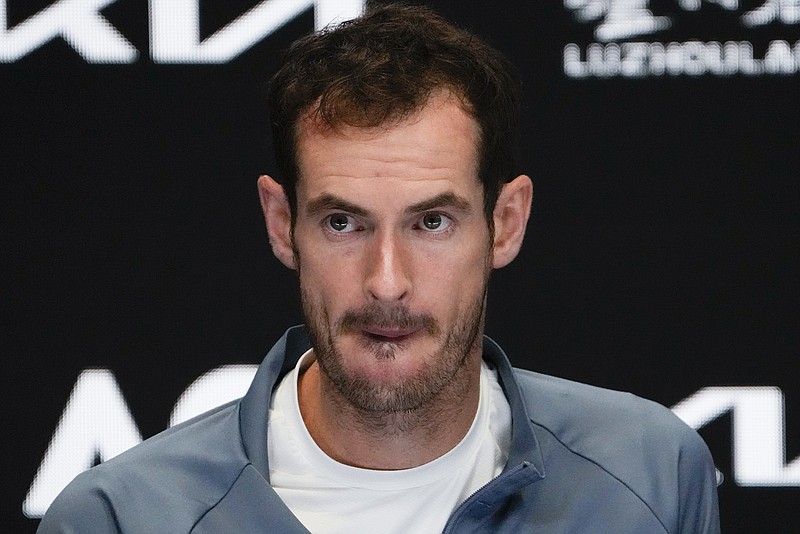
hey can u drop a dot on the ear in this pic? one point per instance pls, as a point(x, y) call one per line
point(510, 219)
point(275, 206)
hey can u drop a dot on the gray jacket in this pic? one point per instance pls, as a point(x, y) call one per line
point(582, 459)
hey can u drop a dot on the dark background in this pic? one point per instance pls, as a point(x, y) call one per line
point(661, 257)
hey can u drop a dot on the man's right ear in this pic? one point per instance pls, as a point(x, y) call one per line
point(278, 217)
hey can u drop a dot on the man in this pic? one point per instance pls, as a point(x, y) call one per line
point(391, 412)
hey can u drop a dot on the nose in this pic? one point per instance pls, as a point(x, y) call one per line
point(387, 268)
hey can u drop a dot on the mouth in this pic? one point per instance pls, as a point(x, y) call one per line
point(388, 334)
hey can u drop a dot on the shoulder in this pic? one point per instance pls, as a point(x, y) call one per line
point(580, 414)
point(640, 443)
point(164, 484)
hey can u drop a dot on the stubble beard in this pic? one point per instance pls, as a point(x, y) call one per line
point(410, 394)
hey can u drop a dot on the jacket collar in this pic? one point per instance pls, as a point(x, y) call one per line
point(524, 443)
point(254, 406)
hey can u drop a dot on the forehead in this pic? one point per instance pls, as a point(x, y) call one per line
point(436, 145)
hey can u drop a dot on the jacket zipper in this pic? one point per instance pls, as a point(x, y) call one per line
point(448, 527)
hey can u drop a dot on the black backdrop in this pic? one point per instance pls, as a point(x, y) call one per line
point(661, 258)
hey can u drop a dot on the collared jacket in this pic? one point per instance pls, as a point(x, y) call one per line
point(582, 459)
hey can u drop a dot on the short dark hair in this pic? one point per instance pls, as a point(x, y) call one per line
point(382, 67)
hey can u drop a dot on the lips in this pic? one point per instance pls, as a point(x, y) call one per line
point(388, 334)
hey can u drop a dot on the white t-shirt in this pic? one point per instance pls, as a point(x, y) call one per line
point(331, 497)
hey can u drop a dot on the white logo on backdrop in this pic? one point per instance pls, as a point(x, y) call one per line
point(97, 425)
point(616, 20)
point(174, 29)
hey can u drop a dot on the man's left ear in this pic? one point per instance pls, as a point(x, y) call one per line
point(510, 219)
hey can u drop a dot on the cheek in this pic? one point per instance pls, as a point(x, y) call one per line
point(327, 278)
point(453, 278)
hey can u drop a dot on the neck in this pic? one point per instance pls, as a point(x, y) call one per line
point(389, 440)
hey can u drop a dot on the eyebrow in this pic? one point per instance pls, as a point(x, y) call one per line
point(442, 200)
point(328, 201)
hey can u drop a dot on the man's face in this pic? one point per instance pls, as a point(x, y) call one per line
point(393, 253)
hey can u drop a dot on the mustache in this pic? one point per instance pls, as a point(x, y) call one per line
point(383, 316)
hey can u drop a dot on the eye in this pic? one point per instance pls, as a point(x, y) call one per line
point(435, 222)
point(340, 223)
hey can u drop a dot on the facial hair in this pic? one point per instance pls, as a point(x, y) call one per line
point(409, 394)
